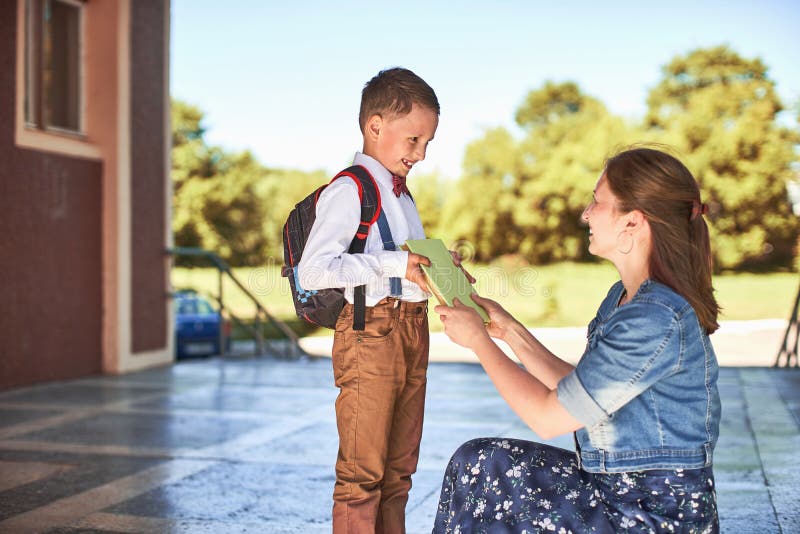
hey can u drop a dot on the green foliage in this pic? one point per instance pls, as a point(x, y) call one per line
point(279, 191)
point(214, 202)
point(525, 195)
point(225, 202)
point(480, 209)
point(186, 120)
point(429, 192)
point(715, 108)
point(551, 103)
point(719, 110)
point(564, 157)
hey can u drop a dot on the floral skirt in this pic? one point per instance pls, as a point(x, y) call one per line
point(495, 485)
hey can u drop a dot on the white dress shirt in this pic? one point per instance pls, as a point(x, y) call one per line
point(326, 263)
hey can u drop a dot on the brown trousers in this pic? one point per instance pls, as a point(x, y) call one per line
point(381, 376)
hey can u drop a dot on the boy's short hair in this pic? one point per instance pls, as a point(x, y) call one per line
point(394, 91)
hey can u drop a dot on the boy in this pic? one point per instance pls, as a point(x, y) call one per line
point(380, 371)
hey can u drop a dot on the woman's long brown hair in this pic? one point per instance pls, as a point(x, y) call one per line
point(664, 190)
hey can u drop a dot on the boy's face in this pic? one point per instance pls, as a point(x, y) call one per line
point(398, 142)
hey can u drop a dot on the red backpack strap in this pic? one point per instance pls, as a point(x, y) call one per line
point(370, 199)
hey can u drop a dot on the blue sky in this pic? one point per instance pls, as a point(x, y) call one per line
point(283, 79)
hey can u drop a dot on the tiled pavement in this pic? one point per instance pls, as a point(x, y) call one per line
point(248, 445)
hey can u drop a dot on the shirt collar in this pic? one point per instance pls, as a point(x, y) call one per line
point(378, 171)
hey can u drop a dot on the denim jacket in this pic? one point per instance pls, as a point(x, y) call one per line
point(646, 386)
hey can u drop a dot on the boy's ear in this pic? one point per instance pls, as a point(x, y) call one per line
point(374, 125)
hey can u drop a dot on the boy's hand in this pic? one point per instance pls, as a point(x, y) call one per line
point(414, 271)
point(457, 260)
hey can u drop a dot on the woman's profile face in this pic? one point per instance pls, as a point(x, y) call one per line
point(603, 219)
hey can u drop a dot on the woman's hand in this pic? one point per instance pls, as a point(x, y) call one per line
point(462, 324)
point(500, 321)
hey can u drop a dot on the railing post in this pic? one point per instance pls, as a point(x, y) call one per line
point(259, 334)
point(786, 353)
point(222, 349)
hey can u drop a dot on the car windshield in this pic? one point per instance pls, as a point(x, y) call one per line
point(194, 307)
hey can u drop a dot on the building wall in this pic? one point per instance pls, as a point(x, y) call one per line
point(50, 249)
point(148, 156)
point(84, 220)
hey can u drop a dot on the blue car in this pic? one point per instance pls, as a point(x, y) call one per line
point(197, 326)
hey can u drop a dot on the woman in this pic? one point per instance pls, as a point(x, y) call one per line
point(642, 400)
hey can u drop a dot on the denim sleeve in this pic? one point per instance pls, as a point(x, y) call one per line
point(637, 346)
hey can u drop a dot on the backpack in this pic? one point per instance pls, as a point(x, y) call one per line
point(322, 307)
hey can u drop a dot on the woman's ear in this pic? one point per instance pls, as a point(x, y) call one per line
point(635, 220)
point(639, 225)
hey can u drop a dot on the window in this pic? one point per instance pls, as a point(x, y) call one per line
point(193, 306)
point(53, 70)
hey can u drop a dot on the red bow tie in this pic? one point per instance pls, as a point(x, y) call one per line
point(399, 183)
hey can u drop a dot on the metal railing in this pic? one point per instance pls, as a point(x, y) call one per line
point(261, 318)
point(787, 355)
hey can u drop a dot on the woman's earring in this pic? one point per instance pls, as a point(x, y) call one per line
point(629, 247)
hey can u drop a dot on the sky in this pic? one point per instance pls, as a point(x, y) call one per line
point(283, 79)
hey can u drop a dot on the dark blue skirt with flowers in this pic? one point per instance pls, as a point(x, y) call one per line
point(495, 485)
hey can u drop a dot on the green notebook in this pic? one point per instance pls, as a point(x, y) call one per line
point(445, 280)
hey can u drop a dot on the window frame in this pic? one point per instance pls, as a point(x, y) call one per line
point(94, 112)
point(35, 104)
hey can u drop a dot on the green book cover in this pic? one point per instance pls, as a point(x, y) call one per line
point(445, 280)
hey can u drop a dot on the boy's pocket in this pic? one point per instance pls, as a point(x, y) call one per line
point(377, 328)
point(380, 347)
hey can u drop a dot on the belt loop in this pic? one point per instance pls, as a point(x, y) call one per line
point(602, 459)
point(577, 449)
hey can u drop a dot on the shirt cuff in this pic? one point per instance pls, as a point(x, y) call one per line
point(393, 262)
point(578, 402)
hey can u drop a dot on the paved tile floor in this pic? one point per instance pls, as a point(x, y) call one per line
point(248, 445)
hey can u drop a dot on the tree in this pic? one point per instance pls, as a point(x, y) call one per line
point(720, 111)
point(569, 135)
point(478, 207)
point(232, 205)
point(527, 196)
point(551, 103)
point(430, 192)
point(215, 200)
point(279, 191)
